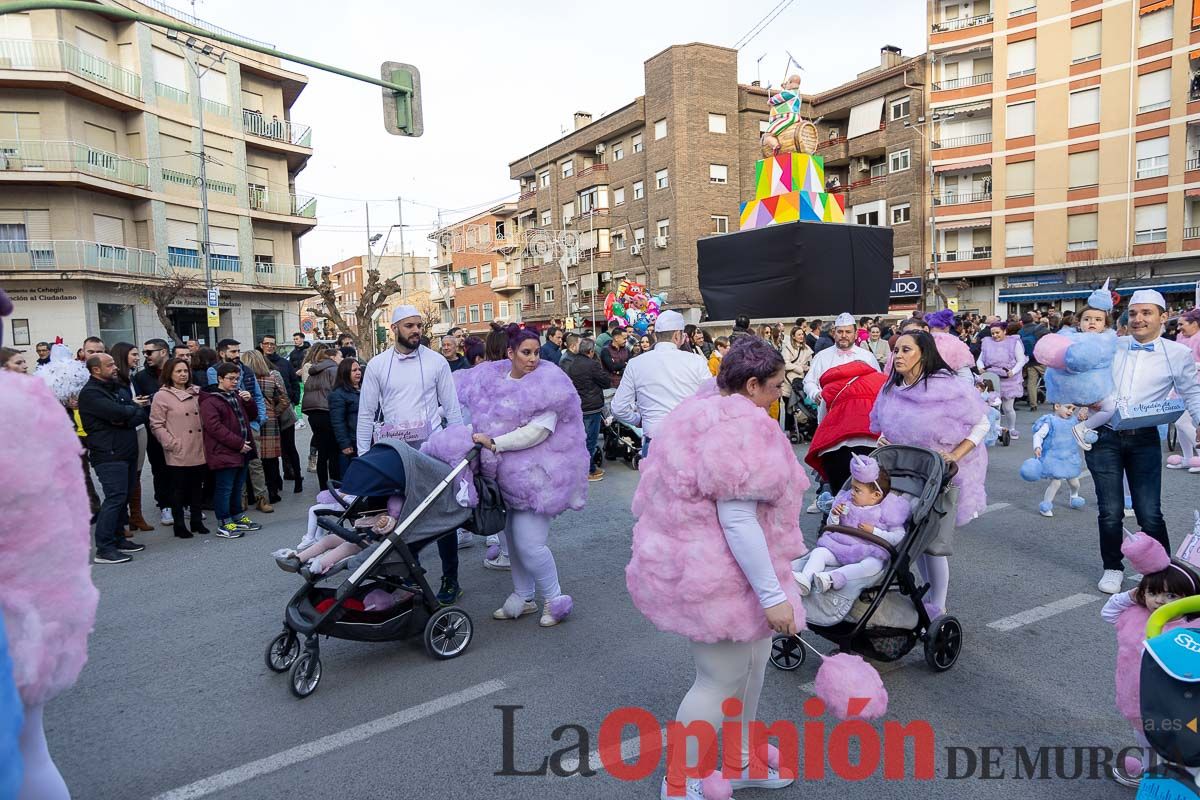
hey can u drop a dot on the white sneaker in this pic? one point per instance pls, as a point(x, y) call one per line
point(500, 562)
point(804, 582)
point(772, 780)
point(166, 518)
point(822, 581)
point(465, 538)
point(514, 608)
point(493, 539)
point(812, 508)
point(695, 791)
point(1110, 581)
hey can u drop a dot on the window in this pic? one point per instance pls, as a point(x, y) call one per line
point(592, 199)
point(664, 277)
point(1152, 157)
point(618, 151)
point(472, 276)
point(548, 295)
point(1018, 179)
point(619, 196)
point(898, 161)
point(1018, 238)
point(1155, 27)
point(544, 179)
point(901, 213)
point(116, 323)
point(1085, 42)
point(568, 168)
point(546, 218)
point(1150, 224)
point(716, 123)
point(720, 224)
point(488, 316)
point(900, 108)
point(878, 169)
point(663, 228)
point(639, 236)
point(900, 265)
point(1083, 169)
point(1084, 107)
point(638, 190)
point(485, 273)
point(1154, 90)
point(718, 173)
point(568, 212)
point(504, 309)
point(636, 142)
point(661, 181)
point(462, 315)
point(763, 125)
point(618, 241)
point(1082, 232)
point(1020, 120)
point(475, 313)
point(266, 323)
point(1022, 58)
point(866, 218)
point(660, 128)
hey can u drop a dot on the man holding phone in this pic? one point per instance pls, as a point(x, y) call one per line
point(146, 384)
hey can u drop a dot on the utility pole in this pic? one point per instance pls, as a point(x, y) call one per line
point(403, 263)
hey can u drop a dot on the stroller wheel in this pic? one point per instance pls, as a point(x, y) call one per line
point(306, 674)
point(283, 650)
point(448, 632)
point(943, 643)
point(787, 653)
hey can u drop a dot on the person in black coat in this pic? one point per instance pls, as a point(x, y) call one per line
point(146, 383)
point(296, 357)
point(343, 409)
point(110, 418)
point(591, 379)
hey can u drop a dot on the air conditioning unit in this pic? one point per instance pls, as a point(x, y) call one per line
point(600, 149)
point(862, 164)
point(635, 249)
point(835, 133)
point(660, 241)
point(606, 276)
point(572, 261)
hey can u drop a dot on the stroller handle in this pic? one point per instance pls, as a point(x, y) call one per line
point(1174, 610)
point(866, 537)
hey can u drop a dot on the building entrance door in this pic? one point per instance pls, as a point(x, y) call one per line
point(191, 323)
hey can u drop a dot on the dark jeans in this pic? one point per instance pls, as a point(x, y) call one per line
point(591, 428)
point(227, 492)
point(327, 449)
point(187, 491)
point(836, 464)
point(116, 480)
point(1136, 454)
point(158, 469)
point(291, 459)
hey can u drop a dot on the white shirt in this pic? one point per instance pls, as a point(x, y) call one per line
point(739, 521)
point(655, 382)
point(829, 358)
point(1143, 376)
point(408, 387)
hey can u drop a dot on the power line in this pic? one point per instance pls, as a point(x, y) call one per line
point(761, 25)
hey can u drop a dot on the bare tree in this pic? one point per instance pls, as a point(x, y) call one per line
point(375, 294)
point(164, 290)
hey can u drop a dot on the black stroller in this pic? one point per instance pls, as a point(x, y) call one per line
point(429, 512)
point(621, 442)
point(888, 618)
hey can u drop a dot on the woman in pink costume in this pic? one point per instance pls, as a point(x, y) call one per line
point(48, 602)
point(1005, 356)
point(924, 404)
point(953, 350)
point(527, 411)
point(717, 507)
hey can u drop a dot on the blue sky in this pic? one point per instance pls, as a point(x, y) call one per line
point(502, 79)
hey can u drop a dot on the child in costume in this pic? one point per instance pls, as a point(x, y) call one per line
point(1005, 355)
point(989, 390)
point(867, 505)
point(785, 112)
point(1164, 580)
point(1056, 456)
point(1079, 366)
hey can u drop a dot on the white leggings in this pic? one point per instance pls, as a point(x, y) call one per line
point(314, 533)
point(820, 558)
point(723, 670)
point(533, 567)
point(1186, 431)
point(43, 781)
point(1052, 489)
point(936, 570)
point(1008, 411)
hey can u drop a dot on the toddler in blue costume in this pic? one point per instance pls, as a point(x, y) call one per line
point(1056, 456)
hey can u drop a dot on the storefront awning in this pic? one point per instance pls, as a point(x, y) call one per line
point(1158, 6)
point(966, 223)
point(964, 108)
point(963, 165)
point(1066, 291)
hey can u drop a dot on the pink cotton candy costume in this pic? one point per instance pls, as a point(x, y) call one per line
point(1003, 357)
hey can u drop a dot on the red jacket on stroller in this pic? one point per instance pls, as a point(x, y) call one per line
point(849, 392)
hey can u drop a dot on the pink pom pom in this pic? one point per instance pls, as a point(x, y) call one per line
point(1051, 350)
point(1145, 554)
point(1174, 460)
point(716, 787)
point(851, 688)
point(1194, 462)
point(770, 754)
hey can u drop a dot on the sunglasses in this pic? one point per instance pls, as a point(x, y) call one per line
point(150, 352)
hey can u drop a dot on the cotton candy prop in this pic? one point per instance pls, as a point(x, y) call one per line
point(1031, 470)
point(850, 687)
point(64, 375)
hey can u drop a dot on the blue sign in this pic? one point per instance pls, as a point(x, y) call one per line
point(907, 287)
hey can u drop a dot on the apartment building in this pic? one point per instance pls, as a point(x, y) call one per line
point(479, 269)
point(877, 159)
point(99, 141)
point(1066, 148)
point(349, 279)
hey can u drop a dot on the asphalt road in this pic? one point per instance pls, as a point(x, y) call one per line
point(176, 702)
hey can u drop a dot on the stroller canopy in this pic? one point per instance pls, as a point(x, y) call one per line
point(377, 473)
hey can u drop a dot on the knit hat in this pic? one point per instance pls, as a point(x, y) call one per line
point(1101, 299)
point(940, 319)
point(864, 469)
point(1145, 554)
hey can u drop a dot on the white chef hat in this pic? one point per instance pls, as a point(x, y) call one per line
point(1152, 296)
point(844, 319)
point(404, 312)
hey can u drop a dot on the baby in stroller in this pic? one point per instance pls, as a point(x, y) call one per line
point(867, 505)
point(316, 556)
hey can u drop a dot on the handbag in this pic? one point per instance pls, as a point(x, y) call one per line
point(945, 509)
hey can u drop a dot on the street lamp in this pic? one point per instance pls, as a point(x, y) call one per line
point(933, 255)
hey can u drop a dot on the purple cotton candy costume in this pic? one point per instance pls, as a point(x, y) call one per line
point(890, 514)
point(938, 414)
point(683, 576)
point(550, 477)
point(1000, 357)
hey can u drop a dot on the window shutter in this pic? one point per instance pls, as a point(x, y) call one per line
point(264, 247)
point(1018, 234)
point(1085, 41)
point(1154, 88)
point(1152, 148)
point(214, 87)
point(169, 69)
point(1150, 217)
point(1085, 107)
point(37, 224)
point(1084, 168)
point(1020, 120)
point(182, 234)
point(1022, 57)
point(1082, 228)
point(109, 230)
point(1018, 179)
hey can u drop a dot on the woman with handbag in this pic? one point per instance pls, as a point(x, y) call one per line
point(321, 373)
point(796, 359)
point(268, 440)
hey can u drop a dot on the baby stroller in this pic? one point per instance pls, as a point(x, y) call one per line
point(804, 414)
point(883, 617)
point(404, 603)
point(621, 442)
point(1170, 679)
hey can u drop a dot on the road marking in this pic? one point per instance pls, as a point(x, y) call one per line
point(1043, 612)
point(326, 744)
point(994, 507)
point(629, 748)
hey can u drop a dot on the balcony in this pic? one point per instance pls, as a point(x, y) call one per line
point(507, 283)
point(268, 273)
point(962, 83)
point(25, 155)
point(594, 170)
point(962, 23)
point(962, 141)
point(214, 109)
point(527, 195)
point(73, 254)
point(974, 254)
point(442, 294)
point(55, 55)
point(275, 129)
point(1191, 233)
point(835, 150)
point(281, 202)
point(1192, 163)
point(958, 198)
point(863, 182)
point(171, 93)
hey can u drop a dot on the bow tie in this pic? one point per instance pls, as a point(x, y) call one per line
point(1149, 348)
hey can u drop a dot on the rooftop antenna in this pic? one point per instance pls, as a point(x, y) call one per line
point(758, 68)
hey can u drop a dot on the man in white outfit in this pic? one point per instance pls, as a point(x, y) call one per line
point(655, 382)
point(843, 352)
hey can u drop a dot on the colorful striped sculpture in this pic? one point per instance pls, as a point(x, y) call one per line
point(792, 207)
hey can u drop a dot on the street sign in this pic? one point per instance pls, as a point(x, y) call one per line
point(907, 287)
point(402, 110)
point(952, 304)
point(214, 318)
point(214, 295)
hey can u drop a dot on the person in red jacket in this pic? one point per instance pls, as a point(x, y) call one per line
point(226, 414)
point(849, 392)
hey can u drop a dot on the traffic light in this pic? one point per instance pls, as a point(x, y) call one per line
point(402, 109)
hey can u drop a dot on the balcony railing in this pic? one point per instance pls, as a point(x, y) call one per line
point(858, 184)
point(281, 130)
point(199, 23)
point(1191, 233)
point(512, 280)
point(962, 141)
point(959, 83)
point(975, 254)
point(222, 187)
point(213, 108)
point(73, 254)
point(175, 176)
point(272, 274)
point(962, 23)
point(593, 170)
point(527, 195)
point(175, 95)
point(1192, 163)
point(283, 203)
point(50, 156)
point(958, 198)
point(60, 56)
point(830, 142)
